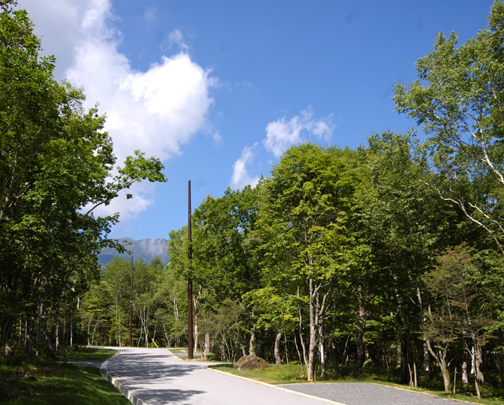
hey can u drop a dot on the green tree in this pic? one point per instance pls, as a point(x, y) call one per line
point(406, 226)
point(56, 168)
point(226, 264)
point(459, 102)
point(304, 217)
point(462, 309)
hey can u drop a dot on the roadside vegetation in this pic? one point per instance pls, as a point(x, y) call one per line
point(42, 380)
point(291, 374)
point(383, 262)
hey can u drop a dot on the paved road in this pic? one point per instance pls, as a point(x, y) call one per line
point(155, 376)
point(369, 394)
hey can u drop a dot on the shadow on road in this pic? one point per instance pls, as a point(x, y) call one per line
point(155, 397)
point(146, 367)
point(144, 374)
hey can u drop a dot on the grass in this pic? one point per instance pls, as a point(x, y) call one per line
point(59, 383)
point(197, 356)
point(88, 354)
point(290, 374)
point(178, 350)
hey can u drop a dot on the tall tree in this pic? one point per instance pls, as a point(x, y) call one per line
point(56, 168)
point(459, 102)
point(305, 209)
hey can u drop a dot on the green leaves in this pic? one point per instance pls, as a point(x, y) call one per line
point(459, 102)
point(56, 167)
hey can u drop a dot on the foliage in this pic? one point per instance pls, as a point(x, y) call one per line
point(459, 103)
point(56, 168)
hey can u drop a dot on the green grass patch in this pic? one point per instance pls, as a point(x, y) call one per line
point(182, 354)
point(274, 374)
point(89, 354)
point(292, 373)
point(58, 383)
point(178, 350)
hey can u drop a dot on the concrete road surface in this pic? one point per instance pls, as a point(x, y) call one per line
point(155, 376)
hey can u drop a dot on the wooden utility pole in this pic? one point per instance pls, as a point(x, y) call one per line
point(190, 348)
point(131, 306)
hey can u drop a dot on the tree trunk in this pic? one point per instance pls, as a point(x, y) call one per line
point(301, 335)
point(252, 340)
point(321, 349)
point(278, 359)
point(312, 345)
point(286, 349)
point(56, 337)
point(426, 357)
point(446, 376)
point(465, 379)
point(359, 337)
point(207, 343)
point(37, 353)
point(415, 373)
point(440, 359)
point(299, 355)
point(47, 337)
point(146, 329)
point(478, 377)
point(196, 333)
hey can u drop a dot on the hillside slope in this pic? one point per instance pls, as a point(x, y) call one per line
point(146, 249)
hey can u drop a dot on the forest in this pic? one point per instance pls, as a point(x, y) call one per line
point(341, 260)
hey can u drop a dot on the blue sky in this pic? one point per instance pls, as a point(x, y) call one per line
point(218, 89)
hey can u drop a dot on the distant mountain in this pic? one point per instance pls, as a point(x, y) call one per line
point(146, 249)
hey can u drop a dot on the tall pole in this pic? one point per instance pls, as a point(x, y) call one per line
point(131, 306)
point(190, 348)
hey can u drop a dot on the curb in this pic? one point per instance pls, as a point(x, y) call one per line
point(116, 383)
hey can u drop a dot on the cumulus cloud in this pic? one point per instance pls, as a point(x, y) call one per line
point(241, 177)
point(157, 110)
point(282, 134)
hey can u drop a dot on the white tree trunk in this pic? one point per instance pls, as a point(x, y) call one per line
point(278, 359)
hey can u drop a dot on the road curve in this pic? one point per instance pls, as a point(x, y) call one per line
point(155, 376)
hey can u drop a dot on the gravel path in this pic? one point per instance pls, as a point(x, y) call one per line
point(369, 394)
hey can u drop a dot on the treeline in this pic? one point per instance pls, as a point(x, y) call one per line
point(56, 168)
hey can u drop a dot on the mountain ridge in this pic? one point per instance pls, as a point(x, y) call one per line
point(146, 249)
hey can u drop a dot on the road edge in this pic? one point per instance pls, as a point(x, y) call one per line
point(277, 387)
point(116, 383)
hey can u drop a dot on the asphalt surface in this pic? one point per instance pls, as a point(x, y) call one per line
point(369, 394)
point(155, 377)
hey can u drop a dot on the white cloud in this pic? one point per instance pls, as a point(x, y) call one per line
point(156, 111)
point(176, 38)
point(217, 138)
point(282, 134)
point(241, 177)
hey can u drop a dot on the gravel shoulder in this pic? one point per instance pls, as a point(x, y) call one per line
point(369, 394)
